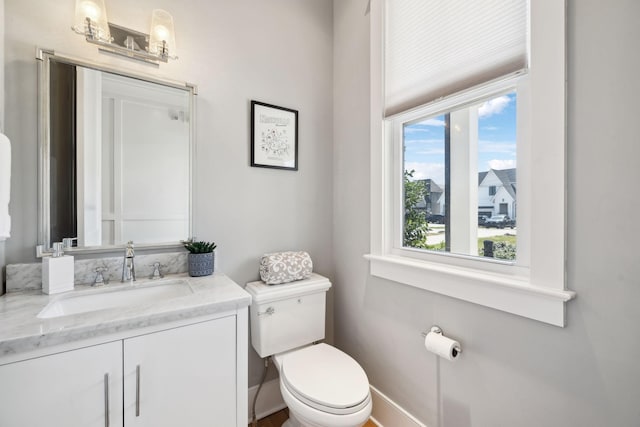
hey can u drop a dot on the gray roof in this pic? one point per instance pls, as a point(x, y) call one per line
point(481, 176)
point(508, 178)
point(431, 185)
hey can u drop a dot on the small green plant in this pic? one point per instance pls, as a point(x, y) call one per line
point(200, 247)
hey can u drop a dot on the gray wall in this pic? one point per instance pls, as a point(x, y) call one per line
point(2, 256)
point(1, 70)
point(279, 52)
point(514, 371)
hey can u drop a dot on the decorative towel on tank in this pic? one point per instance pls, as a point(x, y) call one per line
point(284, 267)
point(5, 187)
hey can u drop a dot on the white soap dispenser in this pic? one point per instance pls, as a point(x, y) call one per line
point(57, 271)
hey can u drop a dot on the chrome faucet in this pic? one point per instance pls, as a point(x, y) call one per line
point(128, 266)
point(157, 274)
point(100, 279)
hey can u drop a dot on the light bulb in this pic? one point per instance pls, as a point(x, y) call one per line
point(161, 32)
point(91, 10)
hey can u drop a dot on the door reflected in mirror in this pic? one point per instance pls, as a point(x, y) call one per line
point(119, 158)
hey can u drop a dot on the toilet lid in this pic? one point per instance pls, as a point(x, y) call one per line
point(326, 378)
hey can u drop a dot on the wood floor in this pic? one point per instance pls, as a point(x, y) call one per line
point(274, 420)
point(277, 419)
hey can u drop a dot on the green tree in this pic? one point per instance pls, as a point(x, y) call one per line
point(415, 221)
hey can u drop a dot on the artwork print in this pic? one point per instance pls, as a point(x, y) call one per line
point(274, 136)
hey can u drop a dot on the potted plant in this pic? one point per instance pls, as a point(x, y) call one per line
point(200, 258)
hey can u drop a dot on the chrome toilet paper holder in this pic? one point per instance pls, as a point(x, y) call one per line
point(438, 330)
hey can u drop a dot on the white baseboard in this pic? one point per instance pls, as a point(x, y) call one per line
point(387, 413)
point(269, 399)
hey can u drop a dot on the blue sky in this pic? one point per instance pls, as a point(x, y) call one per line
point(424, 141)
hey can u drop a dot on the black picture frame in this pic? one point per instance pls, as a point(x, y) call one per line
point(272, 131)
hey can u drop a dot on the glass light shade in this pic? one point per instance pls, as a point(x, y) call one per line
point(162, 36)
point(91, 19)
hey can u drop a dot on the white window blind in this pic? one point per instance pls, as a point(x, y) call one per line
point(434, 48)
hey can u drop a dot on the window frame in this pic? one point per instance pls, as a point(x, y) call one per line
point(535, 285)
point(460, 101)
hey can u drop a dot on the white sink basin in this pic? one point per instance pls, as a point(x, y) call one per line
point(120, 296)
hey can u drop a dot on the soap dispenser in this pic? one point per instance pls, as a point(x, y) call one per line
point(57, 271)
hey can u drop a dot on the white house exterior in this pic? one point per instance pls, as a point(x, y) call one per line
point(497, 192)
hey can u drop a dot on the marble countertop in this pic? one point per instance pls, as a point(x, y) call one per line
point(21, 330)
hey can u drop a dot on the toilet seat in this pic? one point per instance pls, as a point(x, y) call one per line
point(325, 378)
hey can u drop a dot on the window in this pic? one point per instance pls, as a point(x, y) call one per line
point(456, 160)
point(437, 184)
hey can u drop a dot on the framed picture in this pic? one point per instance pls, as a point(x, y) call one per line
point(274, 136)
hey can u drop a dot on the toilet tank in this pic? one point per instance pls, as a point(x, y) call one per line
point(287, 316)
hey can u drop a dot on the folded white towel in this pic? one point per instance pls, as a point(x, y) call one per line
point(5, 187)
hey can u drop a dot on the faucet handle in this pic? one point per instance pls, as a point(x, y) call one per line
point(128, 251)
point(100, 280)
point(67, 242)
point(156, 271)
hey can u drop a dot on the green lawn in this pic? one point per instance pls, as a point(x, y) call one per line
point(511, 239)
point(504, 238)
point(507, 254)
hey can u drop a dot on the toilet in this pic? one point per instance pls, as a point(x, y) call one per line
point(321, 385)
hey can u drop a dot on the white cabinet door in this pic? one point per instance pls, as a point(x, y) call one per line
point(64, 390)
point(182, 377)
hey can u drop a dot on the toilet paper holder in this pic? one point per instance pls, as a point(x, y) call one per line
point(438, 330)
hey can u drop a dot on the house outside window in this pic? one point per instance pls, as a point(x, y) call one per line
point(531, 286)
point(437, 150)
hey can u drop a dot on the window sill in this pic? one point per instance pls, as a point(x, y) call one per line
point(513, 295)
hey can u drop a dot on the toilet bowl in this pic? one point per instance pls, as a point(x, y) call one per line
point(321, 385)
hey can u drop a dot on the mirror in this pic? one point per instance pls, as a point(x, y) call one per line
point(115, 157)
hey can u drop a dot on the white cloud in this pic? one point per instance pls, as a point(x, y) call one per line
point(502, 164)
point(432, 122)
point(496, 147)
point(494, 106)
point(434, 171)
point(413, 129)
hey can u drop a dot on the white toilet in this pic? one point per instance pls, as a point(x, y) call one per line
point(321, 385)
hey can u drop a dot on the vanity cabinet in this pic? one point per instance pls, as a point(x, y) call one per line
point(72, 388)
point(183, 376)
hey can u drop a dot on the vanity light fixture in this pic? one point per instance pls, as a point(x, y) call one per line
point(162, 40)
point(91, 20)
point(157, 46)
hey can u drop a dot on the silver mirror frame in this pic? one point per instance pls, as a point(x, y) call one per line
point(44, 56)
